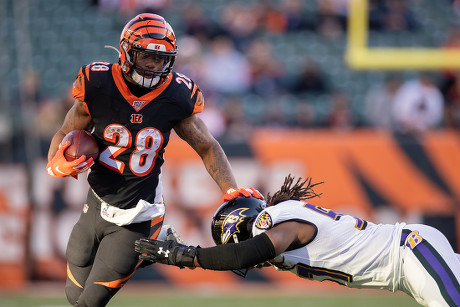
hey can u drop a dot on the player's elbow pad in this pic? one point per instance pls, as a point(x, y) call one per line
point(237, 256)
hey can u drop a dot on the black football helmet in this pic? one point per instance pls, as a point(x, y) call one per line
point(232, 222)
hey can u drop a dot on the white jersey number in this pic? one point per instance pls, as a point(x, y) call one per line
point(360, 223)
point(147, 143)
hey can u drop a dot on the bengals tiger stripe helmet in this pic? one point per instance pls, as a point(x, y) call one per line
point(147, 35)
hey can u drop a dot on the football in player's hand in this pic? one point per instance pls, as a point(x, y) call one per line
point(81, 143)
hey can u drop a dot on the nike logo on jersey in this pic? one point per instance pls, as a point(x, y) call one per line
point(136, 118)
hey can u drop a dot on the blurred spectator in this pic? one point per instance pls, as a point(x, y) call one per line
point(213, 117)
point(418, 105)
point(226, 70)
point(310, 80)
point(273, 20)
point(5, 136)
point(24, 137)
point(456, 6)
point(190, 61)
point(398, 17)
point(378, 104)
point(304, 116)
point(267, 73)
point(452, 41)
point(391, 16)
point(240, 23)
point(340, 116)
point(452, 100)
point(239, 129)
point(331, 19)
point(295, 15)
point(197, 24)
point(274, 116)
point(48, 119)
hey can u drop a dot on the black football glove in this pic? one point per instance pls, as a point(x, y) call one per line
point(166, 252)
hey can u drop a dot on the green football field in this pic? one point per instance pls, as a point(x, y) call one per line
point(257, 297)
point(219, 301)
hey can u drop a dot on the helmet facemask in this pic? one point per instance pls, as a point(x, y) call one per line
point(141, 59)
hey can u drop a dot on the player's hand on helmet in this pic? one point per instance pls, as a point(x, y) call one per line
point(166, 252)
point(58, 166)
point(246, 192)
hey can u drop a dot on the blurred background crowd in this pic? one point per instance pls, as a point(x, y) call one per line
point(279, 96)
point(259, 63)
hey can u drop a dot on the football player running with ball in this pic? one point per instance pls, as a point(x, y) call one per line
point(130, 107)
point(320, 244)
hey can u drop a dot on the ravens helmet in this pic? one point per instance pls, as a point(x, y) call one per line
point(232, 222)
point(145, 39)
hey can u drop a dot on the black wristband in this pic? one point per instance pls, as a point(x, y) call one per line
point(236, 256)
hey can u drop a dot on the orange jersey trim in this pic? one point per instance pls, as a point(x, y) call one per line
point(72, 278)
point(124, 90)
point(78, 88)
point(199, 102)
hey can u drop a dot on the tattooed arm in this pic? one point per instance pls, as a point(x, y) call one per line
point(196, 134)
point(76, 118)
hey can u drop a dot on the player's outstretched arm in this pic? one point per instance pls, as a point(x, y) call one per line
point(196, 134)
point(233, 256)
point(222, 257)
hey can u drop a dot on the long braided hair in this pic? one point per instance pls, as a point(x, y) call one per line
point(301, 190)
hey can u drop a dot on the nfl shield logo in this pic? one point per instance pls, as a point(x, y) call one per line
point(138, 105)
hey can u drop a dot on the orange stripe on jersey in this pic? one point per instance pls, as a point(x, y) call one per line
point(78, 88)
point(87, 72)
point(199, 102)
point(70, 275)
point(194, 90)
point(130, 98)
point(86, 107)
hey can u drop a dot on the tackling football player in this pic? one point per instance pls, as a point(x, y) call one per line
point(130, 107)
point(319, 244)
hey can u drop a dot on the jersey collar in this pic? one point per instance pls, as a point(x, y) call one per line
point(136, 102)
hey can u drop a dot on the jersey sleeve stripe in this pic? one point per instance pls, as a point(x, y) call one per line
point(78, 88)
point(199, 102)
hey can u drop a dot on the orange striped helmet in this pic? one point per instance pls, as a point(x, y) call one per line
point(147, 36)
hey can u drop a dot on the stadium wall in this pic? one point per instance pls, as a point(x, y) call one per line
point(375, 175)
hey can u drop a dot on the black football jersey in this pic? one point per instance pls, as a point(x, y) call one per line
point(132, 132)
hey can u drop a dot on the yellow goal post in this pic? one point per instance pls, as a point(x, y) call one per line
point(359, 56)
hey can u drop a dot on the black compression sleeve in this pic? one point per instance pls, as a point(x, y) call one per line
point(236, 256)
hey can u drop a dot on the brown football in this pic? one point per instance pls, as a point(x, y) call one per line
point(81, 143)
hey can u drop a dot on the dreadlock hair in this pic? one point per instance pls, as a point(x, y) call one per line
point(301, 190)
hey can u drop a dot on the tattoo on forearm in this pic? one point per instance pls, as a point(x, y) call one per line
point(211, 152)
